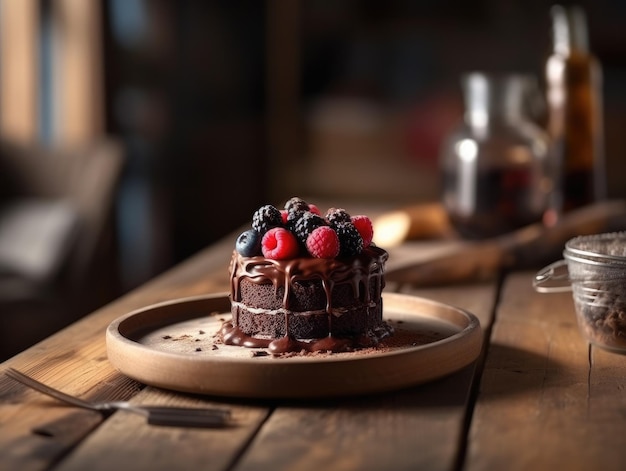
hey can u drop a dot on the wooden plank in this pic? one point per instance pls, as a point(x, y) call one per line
point(418, 428)
point(542, 405)
point(166, 448)
point(47, 430)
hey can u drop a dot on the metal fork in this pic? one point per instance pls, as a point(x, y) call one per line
point(155, 415)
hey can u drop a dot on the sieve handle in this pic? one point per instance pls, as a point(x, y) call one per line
point(553, 279)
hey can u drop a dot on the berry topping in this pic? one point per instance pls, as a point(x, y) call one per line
point(314, 209)
point(350, 241)
point(335, 216)
point(323, 242)
point(305, 224)
point(265, 218)
point(297, 205)
point(249, 243)
point(279, 244)
point(364, 225)
point(300, 230)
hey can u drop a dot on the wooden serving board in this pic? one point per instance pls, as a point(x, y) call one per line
point(175, 345)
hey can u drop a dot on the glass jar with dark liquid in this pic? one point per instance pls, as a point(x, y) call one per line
point(496, 173)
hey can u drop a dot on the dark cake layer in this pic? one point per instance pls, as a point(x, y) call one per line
point(342, 322)
point(305, 295)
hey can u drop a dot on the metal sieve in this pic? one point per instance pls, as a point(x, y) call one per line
point(594, 269)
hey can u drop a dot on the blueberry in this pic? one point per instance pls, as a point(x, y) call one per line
point(248, 243)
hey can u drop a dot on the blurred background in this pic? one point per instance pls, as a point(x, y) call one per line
point(136, 132)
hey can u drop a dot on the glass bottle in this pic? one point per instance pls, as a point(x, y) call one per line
point(495, 166)
point(574, 98)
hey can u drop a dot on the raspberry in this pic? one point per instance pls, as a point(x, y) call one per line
point(314, 209)
point(323, 242)
point(305, 224)
point(279, 244)
point(363, 224)
point(249, 243)
point(265, 218)
point(283, 214)
point(335, 216)
point(350, 241)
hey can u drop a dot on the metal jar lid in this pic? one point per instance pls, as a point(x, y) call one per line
point(592, 258)
point(607, 249)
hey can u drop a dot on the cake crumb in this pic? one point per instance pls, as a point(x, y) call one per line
point(259, 353)
point(182, 337)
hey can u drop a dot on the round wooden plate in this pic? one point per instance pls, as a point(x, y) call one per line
point(174, 345)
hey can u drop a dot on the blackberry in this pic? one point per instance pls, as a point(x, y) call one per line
point(335, 216)
point(350, 241)
point(297, 205)
point(265, 218)
point(306, 223)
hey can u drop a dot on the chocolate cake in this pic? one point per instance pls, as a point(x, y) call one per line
point(304, 282)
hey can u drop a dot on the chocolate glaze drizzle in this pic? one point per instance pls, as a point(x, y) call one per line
point(357, 271)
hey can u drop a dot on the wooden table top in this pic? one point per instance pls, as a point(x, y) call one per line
point(538, 398)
